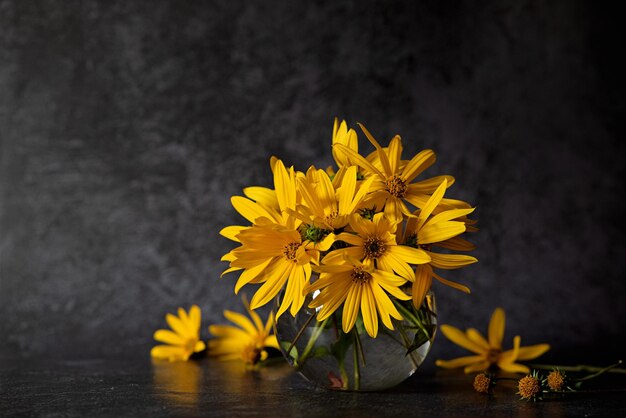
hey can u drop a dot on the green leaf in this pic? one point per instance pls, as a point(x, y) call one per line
point(294, 351)
point(422, 336)
point(320, 351)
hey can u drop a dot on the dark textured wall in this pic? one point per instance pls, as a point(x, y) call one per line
point(126, 126)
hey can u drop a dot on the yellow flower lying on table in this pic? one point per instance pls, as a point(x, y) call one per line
point(489, 353)
point(184, 340)
point(248, 341)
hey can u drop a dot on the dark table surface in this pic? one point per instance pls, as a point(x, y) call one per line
point(142, 387)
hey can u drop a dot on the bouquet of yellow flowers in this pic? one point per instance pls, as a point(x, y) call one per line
point(347, 248)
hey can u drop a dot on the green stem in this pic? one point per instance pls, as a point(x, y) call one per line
point(407, 342)
point(307, 350)
point(579, 368)
point(299, 334)
point(357, 371)
point(599, 372)
point(344, 374)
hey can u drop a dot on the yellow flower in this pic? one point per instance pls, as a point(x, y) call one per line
point(375, 241)
point(393, 184)
point(247, 341)
point(329, 205)
point(488, 353)
point(276, 256)
point(185, 338)
point(424, 231)
point(357, 286)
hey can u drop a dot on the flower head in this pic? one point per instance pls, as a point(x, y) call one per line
point(374, 241)
point(248, 341)
point(358, 286)
point(556, 380)
point(529, 387)
point(484, 382)
point(488, 353)
point(183, 340)
point(328, 204)
point(394, 177)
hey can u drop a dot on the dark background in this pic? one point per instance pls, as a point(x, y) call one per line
point(126, 126)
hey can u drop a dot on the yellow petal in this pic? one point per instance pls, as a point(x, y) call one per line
point(456, 244)
point(168, 352)
point(384, 160)
point(385, 306)
point(249, 209)
point(285, 187)
point(241, 320)
point(394, 150)
point(459, 338)
point(421, 285)
point(514, 368)
point(431, 204)
point(418, 164)
point(263, 195)
point(368, 310)
point(199, 347)
point(532, 351)
point(410, 255)
point(441, 231)
point(477, 337)
point(177, 325)
point(272, 286)
point(195, 317)
point(496, 328)
point(271, 341)
point(452, 284)
point(458, 362)
point(451, 261)
point(168, 337)
point(231, 232)
point(390, 262)
point(477, 367)
point(357, 159)
point(449, 215)
point(351, 308)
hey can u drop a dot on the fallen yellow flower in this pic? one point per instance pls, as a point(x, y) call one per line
point(489, 353)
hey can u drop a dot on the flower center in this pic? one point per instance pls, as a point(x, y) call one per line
point(330, 218)
point(528, 387)
point(289, 251)
point(396, 186)
point(493, 355)
point(374, 247)
point(360, 276)
point(482, 383)
point(251, 354)
point(556, 380)
point(190, 344)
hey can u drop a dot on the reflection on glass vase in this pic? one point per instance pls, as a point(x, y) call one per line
point(330, 358)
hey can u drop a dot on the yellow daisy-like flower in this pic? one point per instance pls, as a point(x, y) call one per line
point(426, 230)
point(184, 340)
point(248, 341)
point(358, 286)
point(489, 353)
point(375, 242)
point(393, 183)
point(276, 256)
point(329, 204)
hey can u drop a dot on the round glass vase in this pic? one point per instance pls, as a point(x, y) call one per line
point(354, 361)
